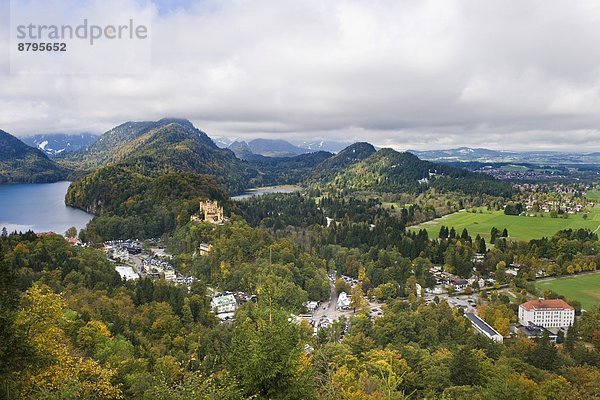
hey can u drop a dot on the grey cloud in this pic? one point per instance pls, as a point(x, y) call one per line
point(410, 74)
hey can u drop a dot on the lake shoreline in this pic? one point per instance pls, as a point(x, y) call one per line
point(39, 207)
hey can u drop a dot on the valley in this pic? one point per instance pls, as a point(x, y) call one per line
point(198, 259)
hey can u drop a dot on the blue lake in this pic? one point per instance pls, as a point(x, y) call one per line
point(259, 191)
point(40, 207)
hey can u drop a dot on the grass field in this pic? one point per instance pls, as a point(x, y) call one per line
point(519, 227)
point(593, 194)
point(585, 288)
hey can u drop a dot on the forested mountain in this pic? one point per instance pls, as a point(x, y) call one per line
point(127, 139)
point(131, 159)
point(133, 205)
point(56, 143)
point(21, 163)
point(169, 145)
point(350, 155)
point(288, 170)
point(360, 168)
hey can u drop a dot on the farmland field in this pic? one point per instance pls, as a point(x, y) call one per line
point(585, 288)
point(519, 227)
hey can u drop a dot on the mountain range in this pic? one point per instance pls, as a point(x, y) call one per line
point(277, 147)
point(56, 143)
point(151, 149)
point(467, 154)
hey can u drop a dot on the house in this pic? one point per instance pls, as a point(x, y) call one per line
point(170, 275)
point(343, 302)
point(458, 283)
point(205, 248)
point(554, 313)
point(223, 303)
point(73, 241)
point(484, 328)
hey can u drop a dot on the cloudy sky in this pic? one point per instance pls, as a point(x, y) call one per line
point(404, 74)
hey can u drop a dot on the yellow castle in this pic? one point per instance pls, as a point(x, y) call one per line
point(212, 212)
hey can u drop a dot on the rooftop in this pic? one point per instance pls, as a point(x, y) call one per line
point(482, 325)
point(543, 304)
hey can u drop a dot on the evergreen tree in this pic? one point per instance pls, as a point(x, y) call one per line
point(465, 235)
point(482, 246)
point(494, 234)
point(443, 232)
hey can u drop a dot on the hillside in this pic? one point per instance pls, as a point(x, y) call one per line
point(21, 163)
point(123, 141)
point(242, 150)
point(337, 164)
point(169, 145)
point(287, 170)
point(129, 205)
point(360, 168)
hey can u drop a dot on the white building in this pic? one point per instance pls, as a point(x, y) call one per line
point(419, 289)
point(343, 302)
point(547, 313)
point(312, 306)
point(127, 273)
point(484, 328)
point(224, 303)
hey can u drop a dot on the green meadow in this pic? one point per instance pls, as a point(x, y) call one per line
point(519, 227)
point(593, 194)
point(585, 288)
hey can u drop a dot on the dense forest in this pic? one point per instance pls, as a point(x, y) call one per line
point(133, 205)
point(72, 329)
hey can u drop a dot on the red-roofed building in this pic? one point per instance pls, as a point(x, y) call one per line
point(73, 241)
point(554, 313)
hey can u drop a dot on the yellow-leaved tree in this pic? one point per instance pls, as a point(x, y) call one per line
point(58, 368)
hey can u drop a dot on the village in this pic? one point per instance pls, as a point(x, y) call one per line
point(134, 261)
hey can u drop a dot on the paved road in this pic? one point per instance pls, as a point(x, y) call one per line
point(135, 261)
point(330, 310)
